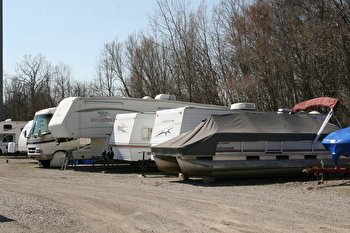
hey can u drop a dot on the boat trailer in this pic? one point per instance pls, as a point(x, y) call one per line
point(320, 171)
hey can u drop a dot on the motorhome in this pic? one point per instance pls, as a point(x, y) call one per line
point(170, 123)
point(43, 146)
point(22, 141)
point(93, 118)
point(9, 135)
point(130, 139)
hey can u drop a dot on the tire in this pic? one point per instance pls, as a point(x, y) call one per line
point(59, 159)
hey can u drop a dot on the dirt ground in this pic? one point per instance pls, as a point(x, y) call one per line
point(34, 199)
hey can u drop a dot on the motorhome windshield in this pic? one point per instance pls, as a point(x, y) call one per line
point(41, 125)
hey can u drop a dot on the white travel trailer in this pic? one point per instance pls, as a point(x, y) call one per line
point(22, 141)
point(43, 146)
point(9, 135)
point(130, 139)
point(93, 117)
point(173, 122)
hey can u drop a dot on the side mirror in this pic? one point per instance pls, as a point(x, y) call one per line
point(25, 134)
point(39, 132)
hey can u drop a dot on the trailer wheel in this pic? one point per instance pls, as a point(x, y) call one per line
point(1, 152)
point(59, 159)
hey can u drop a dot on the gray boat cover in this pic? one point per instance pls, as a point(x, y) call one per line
point(243, 126)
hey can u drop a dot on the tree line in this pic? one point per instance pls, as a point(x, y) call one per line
point(274, 53)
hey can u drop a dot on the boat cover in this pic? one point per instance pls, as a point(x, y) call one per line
point(243, 126)
point(317, 102)
point(338, 143)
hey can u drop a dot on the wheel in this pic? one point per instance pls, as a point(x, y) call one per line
point(1, 152)
point(59, 159)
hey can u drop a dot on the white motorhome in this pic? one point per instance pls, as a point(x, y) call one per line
point(93, 117)
point(130, 139)
point(43, 146)
point(22, 141)
point(9, 135)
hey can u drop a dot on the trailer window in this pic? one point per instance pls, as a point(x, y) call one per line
point(146, 134)
point(7, 127)
point(8, 138)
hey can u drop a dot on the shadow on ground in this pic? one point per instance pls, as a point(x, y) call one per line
point(5, 219)
point(266, 180)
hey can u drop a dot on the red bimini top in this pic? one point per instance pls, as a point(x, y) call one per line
point(317, 102)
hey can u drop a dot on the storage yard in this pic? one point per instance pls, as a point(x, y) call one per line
point(34, 199)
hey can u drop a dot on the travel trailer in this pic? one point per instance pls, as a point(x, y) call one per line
point(9, 136)
point(130, 139)
point(248, 143)
point(170, 123)
point(44, 147)
point(93, 118)
point(134, 133)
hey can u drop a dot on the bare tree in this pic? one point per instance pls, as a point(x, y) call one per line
point(61, 84)
point(79, 88)
point(16, 100)
point(104, 83)
point(148, 69)
point(179, 28)
point(111, 72)
point(35, 74)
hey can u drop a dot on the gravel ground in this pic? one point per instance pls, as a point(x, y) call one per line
point(34, 199)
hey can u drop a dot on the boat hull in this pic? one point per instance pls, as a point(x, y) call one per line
point(240, 168)
point(338, 150)
point(338, 143)
point(167, 164)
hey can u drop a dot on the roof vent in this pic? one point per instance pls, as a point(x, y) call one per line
point(165, 97)
point(147, 97)
point(317, 115)
point(243, 106)
point(284, 110)
point(314, 112)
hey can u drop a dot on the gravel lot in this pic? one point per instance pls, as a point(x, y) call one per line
point(34, 199)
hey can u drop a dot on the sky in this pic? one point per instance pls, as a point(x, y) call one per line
point(72, 32)
point(69, 31)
